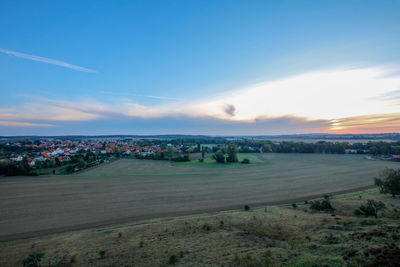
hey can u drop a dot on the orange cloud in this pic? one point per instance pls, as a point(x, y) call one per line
point(375, 123)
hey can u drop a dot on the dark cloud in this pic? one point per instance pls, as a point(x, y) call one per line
point(230, 110)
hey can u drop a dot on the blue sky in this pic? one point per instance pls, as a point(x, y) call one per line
point(154, 67)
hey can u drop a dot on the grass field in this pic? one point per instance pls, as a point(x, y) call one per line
point(140, 189)
point(265, 236)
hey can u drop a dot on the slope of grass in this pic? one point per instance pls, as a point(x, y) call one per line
point(266, 236)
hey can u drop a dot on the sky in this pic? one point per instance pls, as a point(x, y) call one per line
point(199, 67)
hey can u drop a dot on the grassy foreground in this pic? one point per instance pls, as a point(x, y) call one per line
point(266, 236)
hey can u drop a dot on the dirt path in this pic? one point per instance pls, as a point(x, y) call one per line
point(171, 214)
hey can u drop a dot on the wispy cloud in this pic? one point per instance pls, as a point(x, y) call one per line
point(45, 60)
point(23, 124)
point(140, 95)
point(347, 100)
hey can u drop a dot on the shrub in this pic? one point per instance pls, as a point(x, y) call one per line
point(173, 259)
point(102, 253)
point(371, 208)
point(246, 207)
point(389, 181)
point(141, 243)
point(246, 161)
point(369, 222)
point(294, 205)
point(72, 259)
point(322, 205)
point(206, 227)
point(33, 260)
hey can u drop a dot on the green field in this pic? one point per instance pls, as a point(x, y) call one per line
point(131, 189)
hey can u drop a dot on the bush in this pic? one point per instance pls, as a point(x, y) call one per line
point(33, 260)
point(102, 253)
point(246, 161)
point(246, 207)
point(371, 208)
point(294, 205)
point(322, 205)
point(389, 181)
point(219, 156)
point(173, 259)
point(206, 227)
point(369, 222)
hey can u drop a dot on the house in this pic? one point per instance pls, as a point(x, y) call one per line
point(31, 162)
point(350, 151)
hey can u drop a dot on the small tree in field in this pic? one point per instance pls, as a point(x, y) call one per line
point(322, 205)
point(33, 260)
point(389, 181)
point(219, 157)
point(232, 153)
point(370, 209)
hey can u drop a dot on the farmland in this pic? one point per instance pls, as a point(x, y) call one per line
point(131, 189)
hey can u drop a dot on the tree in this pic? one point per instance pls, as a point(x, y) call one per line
point(266, 148)
point(219, 157)
point(203, 152)
point(370, 209)
point(171, 152)
point(323, 205)
point(81, 164)
point(389, 181)
point(232, 153)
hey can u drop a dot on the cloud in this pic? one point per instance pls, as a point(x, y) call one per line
point(23, 124)
point(230, 110)
point(373, 123)
point(340, 100)
point(140, 95)
point(45, 60)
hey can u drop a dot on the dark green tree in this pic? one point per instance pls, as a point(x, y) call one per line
point(371, 208)
point(232, 153)
point(389, 181)
point(219, 157)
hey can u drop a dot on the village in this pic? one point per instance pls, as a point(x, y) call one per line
point(51, 153)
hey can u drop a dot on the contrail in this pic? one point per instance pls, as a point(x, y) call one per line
point(45, 60)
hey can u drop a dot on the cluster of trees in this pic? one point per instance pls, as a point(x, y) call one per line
point(226, 155)
point(171, 154)
point(372, 147)
point(16, 168)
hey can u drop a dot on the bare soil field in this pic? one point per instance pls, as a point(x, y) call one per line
point(141, 189)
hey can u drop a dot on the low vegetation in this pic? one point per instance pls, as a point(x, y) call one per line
point(389, 181)
point(273, 236)
point(322, 205)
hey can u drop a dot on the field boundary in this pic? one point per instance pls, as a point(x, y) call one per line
point(32, 234)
